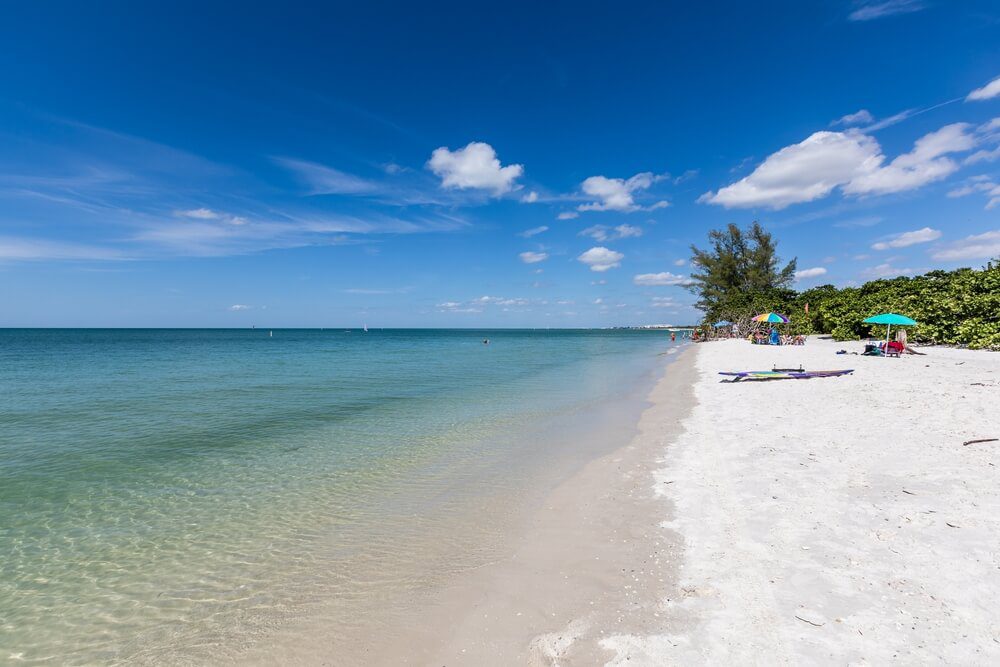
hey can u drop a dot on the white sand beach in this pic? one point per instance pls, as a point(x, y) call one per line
point(834, 520)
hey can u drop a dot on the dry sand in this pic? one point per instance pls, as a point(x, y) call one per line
point(835, 520)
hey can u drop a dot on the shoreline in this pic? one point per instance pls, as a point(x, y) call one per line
point(592, 561)
point(558, 559)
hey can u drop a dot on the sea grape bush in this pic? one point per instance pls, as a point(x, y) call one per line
point(960, 307)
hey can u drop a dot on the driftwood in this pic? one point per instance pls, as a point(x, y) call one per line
point(972, 442)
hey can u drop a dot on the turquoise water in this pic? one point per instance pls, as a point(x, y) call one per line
point(176, 495)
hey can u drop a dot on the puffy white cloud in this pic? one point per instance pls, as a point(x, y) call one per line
point(977, 246)
point(601, 259)
point(680, 262)
point(851, 160)
point(906, 239)
point(862, 117)
point(616, 194)
point(529, 257)
point(236, 307)
point(659, 279)
point(810, 273)
point(987, 92)
point(475, 166)
point(924, 164)
point(605, 233)
point(802, 172)
point(534, 231)
point(530, 198)
point(867, 10)
point(568, 215)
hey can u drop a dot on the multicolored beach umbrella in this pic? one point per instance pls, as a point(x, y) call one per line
point(774, 318)
point(888, 319)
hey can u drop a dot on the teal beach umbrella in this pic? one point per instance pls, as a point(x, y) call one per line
point(888, 319)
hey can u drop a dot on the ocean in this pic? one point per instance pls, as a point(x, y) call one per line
point(180, 496)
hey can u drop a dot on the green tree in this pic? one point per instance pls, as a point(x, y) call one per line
point(739, 274)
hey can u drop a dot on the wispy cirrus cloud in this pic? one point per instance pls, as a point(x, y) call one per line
point(869, 10)
point(602, 233)
point(14, 248)
point(977, 246)
point(662, 279)
point(529, 257)
point(534, 231)
point(906, 239)
point(324, 180)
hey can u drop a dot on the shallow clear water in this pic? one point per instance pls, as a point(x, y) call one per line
point(168, 491)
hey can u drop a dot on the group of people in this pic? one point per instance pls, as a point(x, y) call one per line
point(775, 338)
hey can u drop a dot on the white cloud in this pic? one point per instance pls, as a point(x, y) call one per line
point(810, 273)
point(568, 215)
point(987, 92)
point(982, 184)
point(663, 302)
point(680, 262)
point(200, 214)
point(868, 10)
point(534, 231)
point(239, 306)
point(924, 164)
point(604, 233)
point(664, 278)
point(209, 214)
point(977, 246)
point(862, 117)
point(323, 180)
point(991, 155)
point(601, 259)
point(475, 166)
point(906, 239)
point(886, 270)
point(30, 249)
point(853, 161)
point(529, 257)
point(530, 198)
point(802, 172)
point(616, 194)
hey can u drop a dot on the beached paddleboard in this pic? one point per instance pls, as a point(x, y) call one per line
point(783, 375)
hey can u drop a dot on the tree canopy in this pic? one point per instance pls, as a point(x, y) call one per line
point(739, 277)
point(739, 272)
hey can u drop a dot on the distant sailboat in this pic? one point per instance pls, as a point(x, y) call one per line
point(365, 327)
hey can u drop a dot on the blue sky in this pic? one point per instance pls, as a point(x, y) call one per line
point(441, 164)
